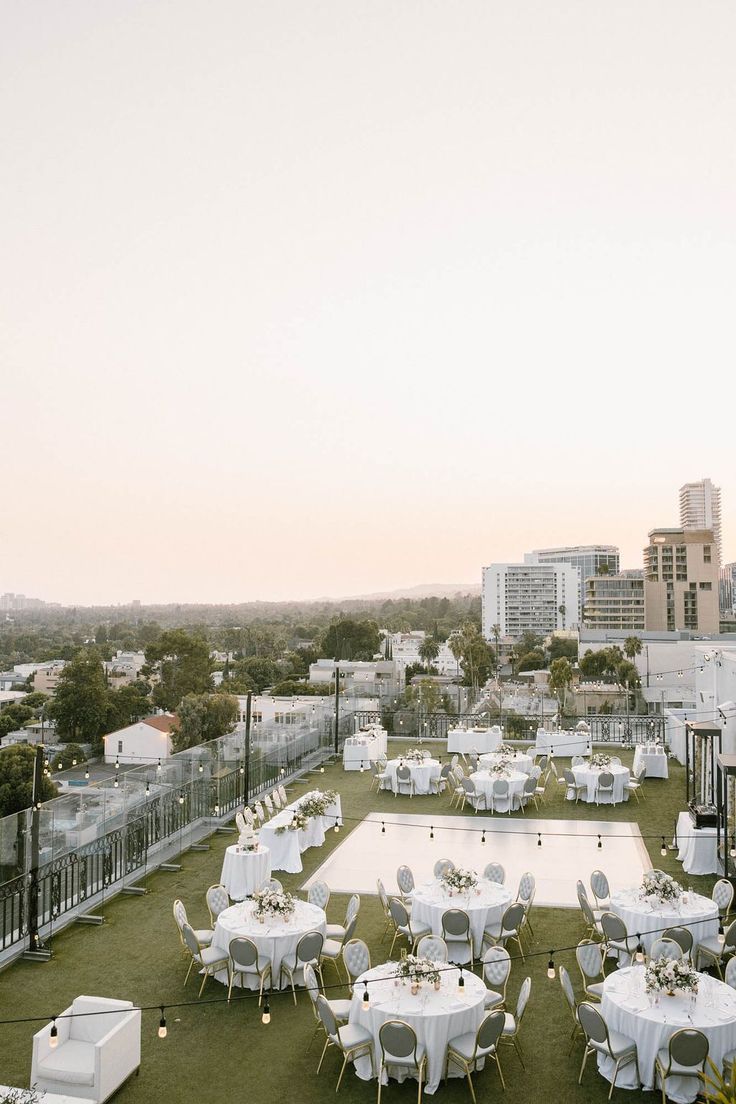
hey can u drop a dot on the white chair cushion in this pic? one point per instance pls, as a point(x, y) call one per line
point(353, 1035)
point(509, 1024)
point(335, 931)
point(331, 948)
point(340, 1009)
point(492, 998)
point(204, 935)
point(596, 988)
point(711, 944)
point(211, 955)
point(465, 1045)
point(73, 1063)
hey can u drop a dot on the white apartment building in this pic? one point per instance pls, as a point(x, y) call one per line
point(404, 650)
point(373, 678)
point(589, 559)
point(700, 508)
point(530, 597)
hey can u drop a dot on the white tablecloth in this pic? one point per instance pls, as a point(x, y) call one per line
point(654, 760)
point(519, 761)
point(420, 772)
point(589, 776)
point(276, 938)
point(699, 915)
point(563, 743)
point(243, 872)
point(484, 785)
point(484, 908)
point(473, 739)
point(626, 1007)
point(436, 1016)
point(286, 847)
point(361, 751)
point(697, 847)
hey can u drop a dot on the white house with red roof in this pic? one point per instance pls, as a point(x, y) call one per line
point(142, 743)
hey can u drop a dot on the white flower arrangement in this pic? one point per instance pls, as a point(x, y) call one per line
point(505, 749)
point(317, 803)
point(501, 766)
point(459, 880)
point(298, 820)
point(414, 755)
point(660, 887)
point(417, 970)
point(670, 975)
point(269, 902)
point(600, 760)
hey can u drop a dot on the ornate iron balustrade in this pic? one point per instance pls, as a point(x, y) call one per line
point(604, 727)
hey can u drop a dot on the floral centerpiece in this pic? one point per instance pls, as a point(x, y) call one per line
point(600, 760)
point(271, 903)
point(317, 803)
point(414, 755)
point(418, 970)
point(671, 975)
point(298, 820)
point(459, 880)
point(658, 888)
point(505, 749)
point(500, 766)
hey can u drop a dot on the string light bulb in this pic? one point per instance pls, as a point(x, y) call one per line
point(117, 763)
point(201, 766)
point(116, 783)
point(148, 788)
point(366, 996)
point(266, 1017)
point(431, 831)
point(639, 955)
point(162, 1030)
point(461, 983)
point(551, 974)
point(732, 852)
point(663, 848)
point(322, 769)
point(53, 1034)
point(600, 844)
point(721, 933)
point(483, 836)
point(383, 828)
point(539, 839)
point(337, 826)
point(158, 768)
point(181, 798)
point(86, 773)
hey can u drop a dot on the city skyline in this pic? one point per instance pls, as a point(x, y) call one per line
point(324, 301)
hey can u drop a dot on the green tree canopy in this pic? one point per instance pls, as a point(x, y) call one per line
point(257, 672)
point(532, 661)
point(562, 648)
point(127, 705)
point(14, 716)
point(184, 666)
point(348, 639)
point(560, 679)
point(203, 717)
point(476, 655)
point(80, 703)
point(429, 649)
point(632, 646)
point(16, 780)
point(63, 758)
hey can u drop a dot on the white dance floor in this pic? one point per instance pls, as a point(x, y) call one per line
point(568, 852)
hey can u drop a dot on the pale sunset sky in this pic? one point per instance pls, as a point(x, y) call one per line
point(305, 299)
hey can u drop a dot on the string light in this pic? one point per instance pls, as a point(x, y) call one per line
point(539, 839)
point(117, 763)
point(600, 844)
point(86, 772)
point(201, 767)
point(431, 831)
point(53, 1034)
point(162, 1031)
point(158, 768)
point(366, 996)
point(383, 828)
point(337, 826)
point(663, 848)
point(483, 837)
point(148, 788)
point(181, 798)
point(639, 956)
point(461, 983)
point(551, 966)
point(116, 783)
point(266, 1017)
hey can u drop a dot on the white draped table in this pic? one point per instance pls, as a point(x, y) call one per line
point(286, 847)
point(653, 757)
point(697, 847)
point(361, 751)
point(436, 1016)
point(422, 773)
point(588, 776)
point(243, 872)
point(698, 914)
point(473, 739)
point(563, 743)
point(275, 938)
point(626, 1007)
point(518, 761)
point(484, 786)
point(484, 908)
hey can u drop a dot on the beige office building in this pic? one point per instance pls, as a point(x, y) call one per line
point(681, 581)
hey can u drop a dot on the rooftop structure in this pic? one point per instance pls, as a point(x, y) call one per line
point(681, 580)
point(700, 508)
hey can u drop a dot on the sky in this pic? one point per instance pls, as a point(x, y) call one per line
point(306, 299)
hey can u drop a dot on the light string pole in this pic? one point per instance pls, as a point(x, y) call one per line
point(337, 708)
point(248, 707)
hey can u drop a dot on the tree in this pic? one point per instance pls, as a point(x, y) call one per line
point(16, 780)
point(290, 688)
point(632, 646)
point(127, 705)
point(532, 661)
point(427, 694)
point(604, 569)
point(345, 638)
point(202, 717)
point(14, 716)
point(428, 651)
point(80, 703)
point(184, 665)
point(560, 647)
point(478, 657)
point(560, 680)
point(63, 759)
point(562, 610)
point(259, 671)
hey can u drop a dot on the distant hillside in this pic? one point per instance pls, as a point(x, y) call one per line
point(424, 590)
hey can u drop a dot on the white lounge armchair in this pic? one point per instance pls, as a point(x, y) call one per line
point(94, 1055)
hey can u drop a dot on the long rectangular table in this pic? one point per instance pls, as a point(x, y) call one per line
point(362, 750)
point(465, 740)
point(563, 742)
point(696, 847)
point(286, 847)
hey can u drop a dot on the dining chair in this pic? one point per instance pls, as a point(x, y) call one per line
point(509, 927)
point(683, 937)
point(684, 1056)
point(276, 798)
point(456, 931)
point(308, 950)
point(352, 1040)
point(404, 926)
point(467, 1050)
point(605, 787)
point(381, 778)
point(337, 931)
point(512, 1021)
point(589, 957)
point(525, 894)
point(405, 882)
point(443, 866)
point(340, 1008)
point(440, 784)
point(573, 788)
point(715, 948)
point(356, 959)
point(319, 895)
point(383, 899)
point(499, 794)
point(432, 947)
point(569, 994)
point(577, 761)
point(496, 974)
point(404, 781)
point(268, 804)
point(729, 976)
point(472, 795)
point(614, 760)
point(635, 785)
point(665, 948)
point(722, 894)
point(244, 959)
point(217, 901)
point(601, 890)
point(617, 938)
point(599, 1040)
point(210, 959)
point(457, 788)
point(332, 948)
point(400, 1047)
point(494, 872)
point(528, 793)
point(282, 792)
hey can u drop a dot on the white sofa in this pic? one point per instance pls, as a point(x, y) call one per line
point(95, 1054)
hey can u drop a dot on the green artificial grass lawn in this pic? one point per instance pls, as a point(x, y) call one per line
point(216, 1053)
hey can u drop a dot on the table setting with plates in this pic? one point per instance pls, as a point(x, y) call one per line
point(518, 760)
point(485, 903)
point(654, 758)
point(661, 903)
point(423, 770)
point(291, 831)
point(437, 1010)
point(275, 935)
point(464, 740)
point(588, 774)
point(562, 742)
point(650, 1016)
point(245, 870)
point(484, 780)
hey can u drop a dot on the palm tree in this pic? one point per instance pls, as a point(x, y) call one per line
point(562, 611)
point(632, 646)
point(429, 649)
point(560, 681)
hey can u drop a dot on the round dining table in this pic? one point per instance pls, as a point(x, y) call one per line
point(422, 773)
point(484, 780)
point(649, 918)
point(243, 872)
point(588, 776)
point(485, 904)
point(650, 1021)
point(274, 938)
point(518, 762)
point(436, 1016)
